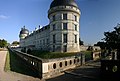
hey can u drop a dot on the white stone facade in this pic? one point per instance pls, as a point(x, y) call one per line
point(38, 40)
point(71, 31)
point(61, 35)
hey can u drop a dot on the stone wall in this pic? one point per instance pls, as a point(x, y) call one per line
point(96, 55)
point(84, 48)
point(48, 68)
point(110, 69)
point(32, 62)
point(53, 67)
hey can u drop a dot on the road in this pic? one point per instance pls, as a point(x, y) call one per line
point(12, 76)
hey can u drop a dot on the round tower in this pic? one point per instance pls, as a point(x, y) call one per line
point(64, 18)
point(23, 33)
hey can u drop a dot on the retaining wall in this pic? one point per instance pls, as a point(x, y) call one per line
point(54, 67)
point(48, 68)
point(96, 55)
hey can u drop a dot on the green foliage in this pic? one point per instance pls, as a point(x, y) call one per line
point(50, 55)
point(81, 42)
point(7, 62)
point(101, 44)
point(15, 43)
point(113, 38)
point(90, 48)
point(3, 43)
point(88, 55)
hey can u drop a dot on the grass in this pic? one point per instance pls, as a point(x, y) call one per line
point(51, 55)
point(7, 63)
point(15, 64)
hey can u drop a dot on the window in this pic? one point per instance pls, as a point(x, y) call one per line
point(75, 17)
point(54, 39)
point(75, 27)
point(75, 38)
point(64, 16)
point(53, 48)
point(65, 48)
point(40, 42)
point(43, 41)
point(54, 27)
point(64, 26)
point(65, 38)
point(53, 17)
point(47, 41)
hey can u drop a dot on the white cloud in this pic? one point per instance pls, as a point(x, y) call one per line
point(4, 17)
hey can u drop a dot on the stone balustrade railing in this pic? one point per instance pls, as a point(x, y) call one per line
point(48, 68)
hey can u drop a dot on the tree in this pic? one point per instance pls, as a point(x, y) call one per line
point(81, 42)
point(113, 39)
point(15, 43)
point(3, 43)
point(90, 48)
point(101, 44)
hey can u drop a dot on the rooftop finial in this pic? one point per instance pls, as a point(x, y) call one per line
point(24, 26)
point(39, 26)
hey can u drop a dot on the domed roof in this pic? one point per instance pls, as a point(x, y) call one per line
point(24, 31)
point(63, 3)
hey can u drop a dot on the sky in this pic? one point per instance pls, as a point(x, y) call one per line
point(97, 17)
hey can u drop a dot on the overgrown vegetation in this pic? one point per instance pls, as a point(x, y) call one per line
point(50, 55)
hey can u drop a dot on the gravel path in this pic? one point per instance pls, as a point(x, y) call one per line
point(12, 76)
